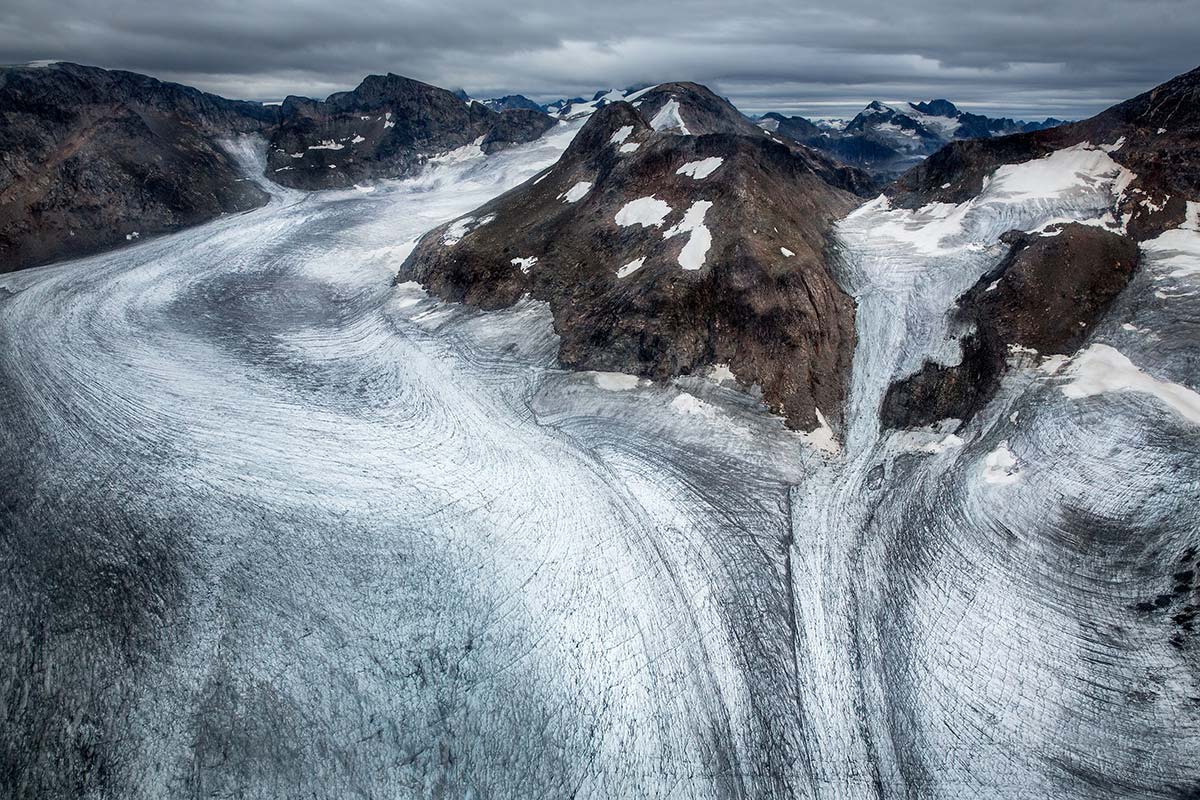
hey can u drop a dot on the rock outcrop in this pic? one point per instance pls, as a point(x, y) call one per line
point(1046, 295)
point(91, 159)
point(663, 254)
point(388, 127)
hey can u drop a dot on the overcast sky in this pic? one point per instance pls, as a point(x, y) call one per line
point(1028, 58)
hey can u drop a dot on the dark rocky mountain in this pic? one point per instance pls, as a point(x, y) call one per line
point(388, 127)
point(888, 139)
point(512, 102)
point(663, 253)
point(1050, 289)
point(91, 158)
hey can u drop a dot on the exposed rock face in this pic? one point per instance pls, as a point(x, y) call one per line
point(1045, 295)
point(91, 158)
point(386, 128)
point(886, 139)
point(662, 254)
point(1158, 134)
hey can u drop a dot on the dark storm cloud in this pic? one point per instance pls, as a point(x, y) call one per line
point(1069, 58)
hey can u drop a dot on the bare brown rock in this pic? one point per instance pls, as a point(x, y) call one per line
point(91, 159)
point(760, 299)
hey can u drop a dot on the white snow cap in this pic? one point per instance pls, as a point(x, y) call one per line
point(701, 169)
point(649, 212)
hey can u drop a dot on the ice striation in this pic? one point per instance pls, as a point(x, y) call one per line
point(275, 527)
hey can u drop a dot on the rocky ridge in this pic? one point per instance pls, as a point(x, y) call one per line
point(388, 127)
point(91, 159)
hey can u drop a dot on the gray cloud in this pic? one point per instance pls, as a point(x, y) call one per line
point(1019, 57)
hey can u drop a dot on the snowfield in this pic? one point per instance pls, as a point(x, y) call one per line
point(276, 527)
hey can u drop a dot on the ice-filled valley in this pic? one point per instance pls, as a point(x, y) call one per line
point(275, 527)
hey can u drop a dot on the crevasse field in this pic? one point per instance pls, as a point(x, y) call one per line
point(273, 527)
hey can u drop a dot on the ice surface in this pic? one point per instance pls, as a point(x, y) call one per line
point(273, 527)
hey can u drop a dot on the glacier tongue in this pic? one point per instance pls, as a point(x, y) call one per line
point(998, 585)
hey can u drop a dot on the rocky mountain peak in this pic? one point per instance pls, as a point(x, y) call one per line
point(664, 254)
point(937, 108)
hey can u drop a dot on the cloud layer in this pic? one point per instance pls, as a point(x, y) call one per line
point(827, 57)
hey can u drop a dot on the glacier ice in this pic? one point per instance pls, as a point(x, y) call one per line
point(274, 527)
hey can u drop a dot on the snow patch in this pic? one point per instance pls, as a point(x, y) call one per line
point(576, 192)
point(822, 436)
point(721, 373)
point(1101, 369)
point(1001, 466)
point(629, 147)
point(1177, 251)
point(1058, 173)
point(786, 253)
point(649, 212)
point(621, 134)
point(668, 118)
point(524, 263)
point(699, 170)
point(690, 404)
point(615, 381)
point(326, 144)
point(691, 257)
point(461, 227)
point(631, 267)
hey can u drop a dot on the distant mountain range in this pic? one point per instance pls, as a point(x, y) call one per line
point(886, 139)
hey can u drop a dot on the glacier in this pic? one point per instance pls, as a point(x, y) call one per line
point(275, 527)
